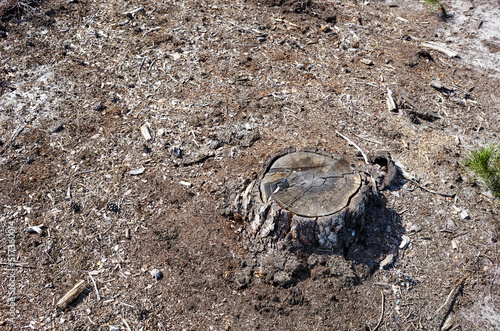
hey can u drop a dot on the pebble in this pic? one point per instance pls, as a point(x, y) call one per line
point(99, 106)
point(464, 215)
point(157, 274)
point(415, 228)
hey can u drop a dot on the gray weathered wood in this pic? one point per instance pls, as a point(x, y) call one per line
point(308, 198)
point(440, 48)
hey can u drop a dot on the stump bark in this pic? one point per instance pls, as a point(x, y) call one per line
point(307, 198)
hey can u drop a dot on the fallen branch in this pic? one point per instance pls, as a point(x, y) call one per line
point(134, 11)
point(370, 140)
point(126, 324)
point(440, 48)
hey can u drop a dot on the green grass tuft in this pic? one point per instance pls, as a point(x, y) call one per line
point(484, 165)
point(437, 4)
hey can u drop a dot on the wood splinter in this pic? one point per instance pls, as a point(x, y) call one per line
point(71, 295)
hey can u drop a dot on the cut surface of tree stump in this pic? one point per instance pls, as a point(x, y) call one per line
point(309, 184)
point(308, 198)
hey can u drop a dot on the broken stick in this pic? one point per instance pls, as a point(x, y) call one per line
point(71, 295)
point(381, 313)
point(355, 146)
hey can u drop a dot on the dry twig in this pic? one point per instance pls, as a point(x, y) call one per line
point(452, 296)
point(95, 288)
point(354, 144)
point(71, 295)
point(381, 313)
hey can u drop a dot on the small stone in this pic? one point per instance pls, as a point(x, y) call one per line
point(113, 207)
point(415, 228)
point(76, 207)
point(176, 151)
point(464, 215)
point(99, 106)
point(157, 274)
point(325, 29)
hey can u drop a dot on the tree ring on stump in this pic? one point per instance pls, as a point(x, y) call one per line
point(307, 198)
point(309, 184)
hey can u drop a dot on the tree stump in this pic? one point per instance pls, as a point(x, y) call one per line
point(307, 198)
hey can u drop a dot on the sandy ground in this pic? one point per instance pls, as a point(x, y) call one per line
point(221, 86)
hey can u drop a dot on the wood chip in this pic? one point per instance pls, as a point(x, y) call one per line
point(389, 259)
point(464, 215)
point(136, 172)
point(36, 229)
point(187, 184)
point(146, 132)
point(368, 62)
point(391, 105)
point(405, 240)
point(71, 295)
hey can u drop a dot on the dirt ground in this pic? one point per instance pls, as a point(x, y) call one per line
point(221, 86)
